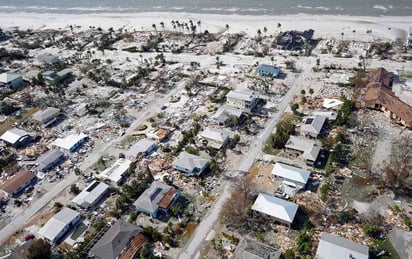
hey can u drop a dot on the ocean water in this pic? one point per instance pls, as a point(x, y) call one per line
point(251, 7)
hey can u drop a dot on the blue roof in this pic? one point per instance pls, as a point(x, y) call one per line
point(268, 69)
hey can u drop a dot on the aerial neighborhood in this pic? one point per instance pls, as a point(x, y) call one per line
point(178, 142)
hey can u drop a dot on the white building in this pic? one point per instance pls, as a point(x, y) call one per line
point(331, 246)
point(333, 104)
point(225, 113)
point(215, 138)
point(11, 80)
point(118, 171)
point(144, 146)
point(307, 148)
point(293, 178)
point(245, 100)
point(59, 224)
point(16, 137)
point(47, 116)
point(330, 115)
point(282, 211)
point(312, 125)
point(71, 142)
point(91, 195)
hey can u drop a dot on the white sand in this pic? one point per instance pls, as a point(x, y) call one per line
point(324, 25)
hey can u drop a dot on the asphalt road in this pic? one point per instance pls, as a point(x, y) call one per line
point(191, 249)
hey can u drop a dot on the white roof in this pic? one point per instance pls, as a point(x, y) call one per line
point(215, 134)
point(141, 146)
point(90, 194)
point(48, 58)
point(331, 246)
point(330, 115)
point(290, 172)
point(46, 114)
point(313, 124)
point(190, 162)
point(330, 103)
point(225, 112)
point(117, 170)
point(68, 142)
point(57, 223)
point(275, 207)
point(242, 95)
point(13, 135)
point(8, 77)
point(309, 147)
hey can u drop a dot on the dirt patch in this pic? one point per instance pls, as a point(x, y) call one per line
point(261, 174)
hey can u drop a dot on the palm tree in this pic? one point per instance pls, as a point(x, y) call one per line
point(259, 33)
point(342, 35)
point(154, 26)
point(369, 32)
point(265, 30)
point(227, 27)
point(279, 26)
point(162, 25)
point(198, 25)
point(353, 32)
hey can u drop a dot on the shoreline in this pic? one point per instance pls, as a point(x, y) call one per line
point(384, 27)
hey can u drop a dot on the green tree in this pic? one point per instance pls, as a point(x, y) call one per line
point(304, 242)
point(294, 107)
point(371, 231)
point(132, 167)
point(289, 254)
point(284, 129)
point(74, 189)
point(302, 92)
point(310, 91)
point(39, 249)
point(57, 206)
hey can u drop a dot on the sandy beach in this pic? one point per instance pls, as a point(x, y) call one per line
point(385, 27)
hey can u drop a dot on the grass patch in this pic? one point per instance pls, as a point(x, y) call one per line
point(379, 245)
point(268, 149)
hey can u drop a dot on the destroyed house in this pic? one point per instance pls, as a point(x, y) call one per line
point(157, 199)
point(250, 249)
point(380, 77)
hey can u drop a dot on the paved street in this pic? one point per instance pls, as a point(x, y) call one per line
point(191, 250)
